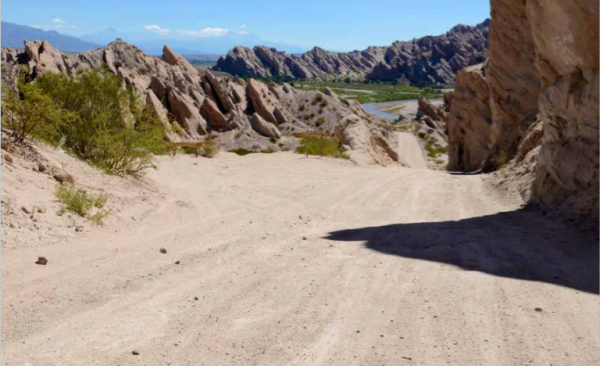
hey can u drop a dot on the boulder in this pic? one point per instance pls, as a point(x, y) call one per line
point(216, 120)
point(187, 114)
point(263, 127)
point(258, 94)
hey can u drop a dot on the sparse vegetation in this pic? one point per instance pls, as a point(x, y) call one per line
point(320, 121)
point(434, 150)
point(78, 201)
point(301, 108)
point(499, 160)
point(143, 70)
point(321, 146)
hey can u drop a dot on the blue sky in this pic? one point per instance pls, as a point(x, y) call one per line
point(331, 24)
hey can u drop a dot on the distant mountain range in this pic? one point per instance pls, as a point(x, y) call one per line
point(13, 35)
point(151, 43)
point(426, 60)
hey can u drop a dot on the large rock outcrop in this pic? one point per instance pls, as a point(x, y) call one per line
point(428, 59)
point(366, 144)
point(565, 33)
point(542, 80)
point(470, 121)
point(251, 115)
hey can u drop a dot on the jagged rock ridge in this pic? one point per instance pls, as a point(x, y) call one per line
point(432, 59)
point(251, 115)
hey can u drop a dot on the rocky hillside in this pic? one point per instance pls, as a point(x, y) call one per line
point(535, 101)
point(432, 59)
point(238, 114)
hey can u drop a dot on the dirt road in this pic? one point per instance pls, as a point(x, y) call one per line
point(410, 150)
point(277, 259)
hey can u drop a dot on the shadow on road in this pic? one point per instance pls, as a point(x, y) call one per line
point(519, 244)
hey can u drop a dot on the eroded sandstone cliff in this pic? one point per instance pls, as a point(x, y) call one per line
point(538, 96)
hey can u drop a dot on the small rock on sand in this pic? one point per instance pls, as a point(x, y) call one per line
point(42, 261)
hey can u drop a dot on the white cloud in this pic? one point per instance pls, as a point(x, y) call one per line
point(158, 30)
point(58, 21)
point(242, 31)
point(206, 32)
point(36, 26)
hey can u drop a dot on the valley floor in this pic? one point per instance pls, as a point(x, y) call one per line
point(278, 259)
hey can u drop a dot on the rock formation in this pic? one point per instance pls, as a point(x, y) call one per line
point(428, 59)
point(538, 88)
point(251, 115)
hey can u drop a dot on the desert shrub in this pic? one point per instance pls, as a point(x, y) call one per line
point(101, 122)
point(143, 70)
point(433, 150)
point(500, 159)
point(317, 99)
point(209, 148)
point(301, 108)
point(242, 152)
point(320, 121)
point(422, 135)
point(77, 200)
point(25, 110)
point(190, 150)
point(321, 146)
point(323, 104)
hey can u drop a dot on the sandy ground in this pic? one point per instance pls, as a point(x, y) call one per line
point(278, 259)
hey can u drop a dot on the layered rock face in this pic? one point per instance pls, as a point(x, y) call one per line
point(239, 114)
point(539, 88)
point(428, 59)
point(470, 121)
point(565, 33)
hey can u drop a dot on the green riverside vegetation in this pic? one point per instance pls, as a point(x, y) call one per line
point(364, 92)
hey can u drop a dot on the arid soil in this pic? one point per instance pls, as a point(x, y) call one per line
point(279, 259)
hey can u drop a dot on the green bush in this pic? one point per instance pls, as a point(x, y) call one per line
point(24, 115)
point(320, 121)
point(77, 200)
point(209, 148)
point(242, 152)
point(317, 99)
point(301, 108)
point(321, 146)
point(101, 122)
